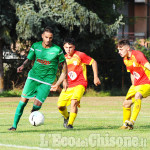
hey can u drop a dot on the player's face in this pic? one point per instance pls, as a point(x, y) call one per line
point(69, 49)
point(123, 50)
point(47, 38)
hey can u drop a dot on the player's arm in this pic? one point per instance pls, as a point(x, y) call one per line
point(30, 57)
point(132, 78)
point(147, 65)
point(62, 77)
point(25, 64)
point(95, 72)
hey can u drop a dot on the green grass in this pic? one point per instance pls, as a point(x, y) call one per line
point(89, 92)
point(11, 93)
point(98, 118)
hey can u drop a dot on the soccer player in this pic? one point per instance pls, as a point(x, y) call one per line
point(46, 56)
point(139, 68)
point(77, 81)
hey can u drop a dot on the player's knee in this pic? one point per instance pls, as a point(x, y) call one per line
point(25, 100)
point(37, 102)
point(74, 103)
point(127, 104)
point(138, 95)
point(61, 108)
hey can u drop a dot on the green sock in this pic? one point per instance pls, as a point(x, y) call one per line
point(35, 108)
point(19, 112)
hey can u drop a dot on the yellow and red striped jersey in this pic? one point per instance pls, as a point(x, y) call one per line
point(77, 72)
point(136, 66)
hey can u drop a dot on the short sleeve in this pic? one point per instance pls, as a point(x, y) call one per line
point(31, 55)
point(141, 58)
point(86, 59)
point(61, 56)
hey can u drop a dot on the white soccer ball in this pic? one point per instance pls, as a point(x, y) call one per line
point(36, 118)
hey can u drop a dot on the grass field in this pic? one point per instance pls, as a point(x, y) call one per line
point(96, 127)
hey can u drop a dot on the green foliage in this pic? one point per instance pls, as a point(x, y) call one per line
point(109, 66)
point(91, 23)
point(11, 93)
point(7, 21)
point(146, 50)
point(92, 93)
point(33, 15)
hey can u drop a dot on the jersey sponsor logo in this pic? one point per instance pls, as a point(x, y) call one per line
point(72, 75)
point(45, 62)
point(136, 75)
point(38, 50)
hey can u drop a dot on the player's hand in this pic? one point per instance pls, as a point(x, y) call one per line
point(19, 69)
point(65, 85)
point(54, 88)
point(97, 81)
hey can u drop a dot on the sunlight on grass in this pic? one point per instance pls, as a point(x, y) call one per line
point(98, 118)
point(91, 92)
point(11, 93)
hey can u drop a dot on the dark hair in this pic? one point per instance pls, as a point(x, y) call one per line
point(69, 41)
point(48, 29)
point(123, 42)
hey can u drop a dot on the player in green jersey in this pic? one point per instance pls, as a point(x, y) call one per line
point(46, 56)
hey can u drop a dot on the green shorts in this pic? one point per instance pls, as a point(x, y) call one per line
point(36, 89)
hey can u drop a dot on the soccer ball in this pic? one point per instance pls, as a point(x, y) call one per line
point(36, 118)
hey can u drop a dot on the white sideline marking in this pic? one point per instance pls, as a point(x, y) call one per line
point(25, 147)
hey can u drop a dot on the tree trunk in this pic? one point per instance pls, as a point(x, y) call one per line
point(1, 67)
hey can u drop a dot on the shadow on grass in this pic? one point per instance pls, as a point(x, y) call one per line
point(66, 130)
point(145, 127)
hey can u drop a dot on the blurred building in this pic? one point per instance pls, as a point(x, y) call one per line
point(137, 20)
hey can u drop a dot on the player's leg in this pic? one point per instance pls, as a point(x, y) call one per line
point(28, 92)
point(135, 111)
point(75, 101)
point(136, 107)
point(126, 113)
point(19, 112)
point(73, 112)
point(41, 95)
point(36, 105)
point(127, 110)
point(141, 91)
point(127, 106)
point(62, 102)
point(63, 111)
point(65, 114)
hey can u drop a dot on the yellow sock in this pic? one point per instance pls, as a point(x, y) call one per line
point(64, 113)
point(72, 118)
point(136, 109)
point(126, 114)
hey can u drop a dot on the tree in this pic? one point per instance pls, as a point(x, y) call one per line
point(84, 20)
point(7, 27)
point(92, 23)
point(69, 14)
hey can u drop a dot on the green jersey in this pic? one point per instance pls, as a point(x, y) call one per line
point(46, 62)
